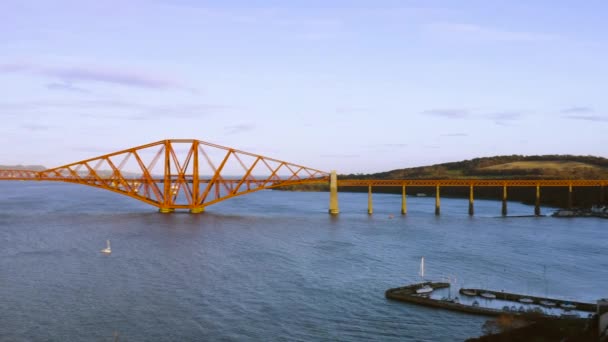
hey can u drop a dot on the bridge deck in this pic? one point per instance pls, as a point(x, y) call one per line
point(34, 176)
point(472, 182)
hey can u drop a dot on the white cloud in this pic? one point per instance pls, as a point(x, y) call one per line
point(481, 33)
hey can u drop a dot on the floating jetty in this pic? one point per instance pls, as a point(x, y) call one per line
point(408, 294)
point(514, 297)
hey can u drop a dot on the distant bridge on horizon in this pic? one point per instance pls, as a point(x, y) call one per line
point(168, 175)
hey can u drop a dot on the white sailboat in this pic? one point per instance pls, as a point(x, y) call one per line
point(426, 288)
point(107, 250)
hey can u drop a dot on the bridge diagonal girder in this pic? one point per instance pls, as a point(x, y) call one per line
point(147, 178)
point(116, 175)
point(246, 177)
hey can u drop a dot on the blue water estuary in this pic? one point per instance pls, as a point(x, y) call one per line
point(271, 266)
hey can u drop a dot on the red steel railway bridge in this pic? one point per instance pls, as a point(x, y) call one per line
point(189, 174)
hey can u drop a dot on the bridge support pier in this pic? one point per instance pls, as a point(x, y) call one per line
point(437, 201)
point(403, 201)
point(197, 210)
point(570, 196)
point(333, 193)
point(166, 210)
point(602, 195)
point(370, 206)
point(471, 205)
point(537, 202)
point(504, 200)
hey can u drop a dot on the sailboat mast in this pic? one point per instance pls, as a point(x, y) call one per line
point(545, 279)
point(422, 268)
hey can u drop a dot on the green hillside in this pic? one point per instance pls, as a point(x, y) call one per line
point(504, 167)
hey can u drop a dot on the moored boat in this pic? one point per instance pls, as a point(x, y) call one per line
point(488, 295)
point(408, 294)
point(424, 289)
point(547, 303)
point(567, 306)
point(527, 299)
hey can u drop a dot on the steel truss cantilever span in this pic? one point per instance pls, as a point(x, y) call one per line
point(178, 173)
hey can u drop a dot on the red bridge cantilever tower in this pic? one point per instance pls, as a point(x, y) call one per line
point(178, 174)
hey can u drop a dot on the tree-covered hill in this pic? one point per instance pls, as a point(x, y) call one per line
point(504, 167)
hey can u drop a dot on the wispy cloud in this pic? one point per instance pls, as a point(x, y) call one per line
point(455, 135)
point(182, 111)
point(504, 118)
point(597, 118)
point(95, 74)
point(38, 104)
point(396, 145)
point(35, 127)
point(577, 110)
point(340, 156)
point(350, 110)
point(239, 128)
point(448, 113)
point(383, 147)
point(112, 109)
point(481, 33)
point(96, 149)
point(66, 87)
point(500, 118)
point(583, 113)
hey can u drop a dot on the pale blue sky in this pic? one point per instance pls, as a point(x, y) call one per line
point(357, 86)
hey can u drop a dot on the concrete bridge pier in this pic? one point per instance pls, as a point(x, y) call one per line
point(504, 200)
point(333, 193)
point(602, 195)
point(370, 205)
point(570, 196)
point(537, 202)
point(166, 210)
point(197, 210)
point(403, 201)
point(471, 205)
point(437, 201)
